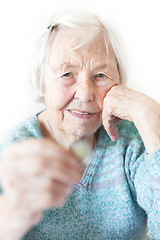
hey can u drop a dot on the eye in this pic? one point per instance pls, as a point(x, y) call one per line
point(68, 79)
point(101, 75)
point(68, 74)
point(101, 79)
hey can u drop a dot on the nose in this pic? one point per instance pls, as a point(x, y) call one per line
point(84, 90)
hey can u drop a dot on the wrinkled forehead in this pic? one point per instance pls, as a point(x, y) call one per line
point(68, 39)
point(66, 42)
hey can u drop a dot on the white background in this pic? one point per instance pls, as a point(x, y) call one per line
point(136, 22)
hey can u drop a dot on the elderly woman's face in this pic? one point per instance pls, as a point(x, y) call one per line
point(77, 81)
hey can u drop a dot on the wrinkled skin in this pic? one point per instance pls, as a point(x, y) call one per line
point(121, 103)
point(77, 80)
point(81, 93)
point(36, 174)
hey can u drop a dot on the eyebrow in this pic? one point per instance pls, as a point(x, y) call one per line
point(68, 65)
point(99, 67)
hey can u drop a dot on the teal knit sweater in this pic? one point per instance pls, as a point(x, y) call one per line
point(117, 197)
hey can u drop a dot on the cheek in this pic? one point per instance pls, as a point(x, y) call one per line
point(100, 97)
point(58, 97)
point(101, 93)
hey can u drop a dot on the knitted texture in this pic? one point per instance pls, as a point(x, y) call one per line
point(117, 196)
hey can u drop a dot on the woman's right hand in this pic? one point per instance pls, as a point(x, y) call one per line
point(36, 174)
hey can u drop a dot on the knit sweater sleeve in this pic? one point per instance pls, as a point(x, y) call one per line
point(29, 128)
point(145, 176)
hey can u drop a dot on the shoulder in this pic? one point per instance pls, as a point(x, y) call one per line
point(26, 129)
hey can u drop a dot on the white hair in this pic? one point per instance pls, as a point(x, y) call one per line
point(73, 19)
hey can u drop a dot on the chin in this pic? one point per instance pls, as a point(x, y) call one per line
point(82, 131)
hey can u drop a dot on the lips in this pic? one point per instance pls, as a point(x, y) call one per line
point(81, 114)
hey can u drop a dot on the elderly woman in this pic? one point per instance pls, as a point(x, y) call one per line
point(47, 193)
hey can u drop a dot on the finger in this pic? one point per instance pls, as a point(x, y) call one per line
point(63, 155)
point(39, 147)
point(111, 129)
point(64, 173)
point(53, 196)
point(37, 164)
point(36, 217)
point(39, 196)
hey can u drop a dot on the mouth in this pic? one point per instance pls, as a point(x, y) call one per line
point(81, 114)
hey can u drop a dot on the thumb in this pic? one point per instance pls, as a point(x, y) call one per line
point(110, 127)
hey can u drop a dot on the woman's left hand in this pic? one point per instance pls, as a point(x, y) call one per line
point(123, 103)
